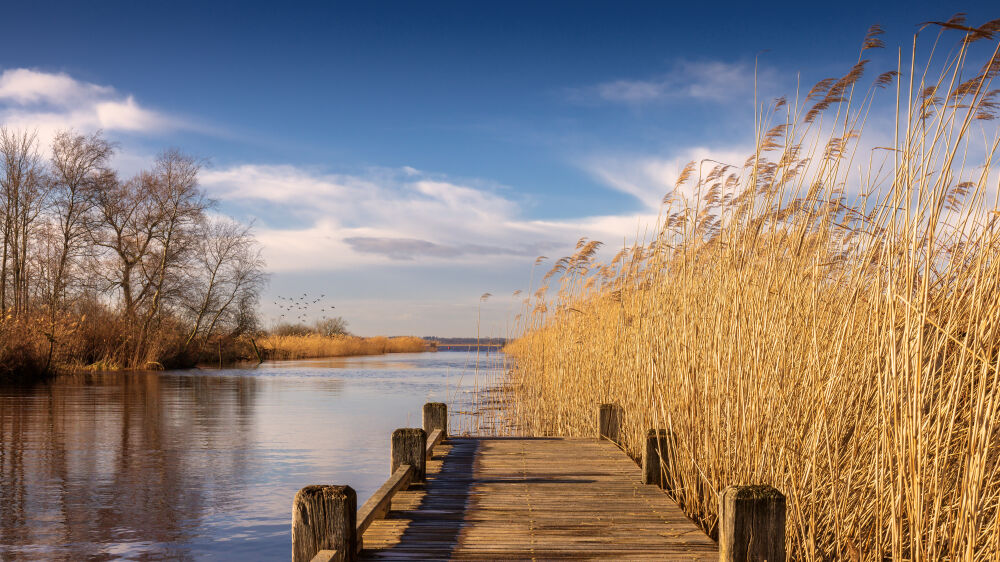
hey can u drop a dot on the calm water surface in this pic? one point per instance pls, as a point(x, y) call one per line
point(201, 464)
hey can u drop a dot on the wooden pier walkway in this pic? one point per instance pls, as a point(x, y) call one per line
point(534, 499)
point(529, 498)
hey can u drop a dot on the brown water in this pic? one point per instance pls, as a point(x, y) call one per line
point(201, 464)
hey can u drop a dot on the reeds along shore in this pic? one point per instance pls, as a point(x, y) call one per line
point(824, 317)
point(317, 345)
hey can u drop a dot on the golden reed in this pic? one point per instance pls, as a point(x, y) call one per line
point(316, 345)
point(824, 317)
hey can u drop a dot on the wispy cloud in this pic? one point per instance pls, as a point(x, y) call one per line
point(24, 86)
point(47, 102)
point(710, 81)
point(411, 248)
point(649, 177)
point(310, 220)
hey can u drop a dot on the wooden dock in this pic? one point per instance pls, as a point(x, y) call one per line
point(529, 498)
point(534, 499)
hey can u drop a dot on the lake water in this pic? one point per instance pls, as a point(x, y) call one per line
point(203, 464)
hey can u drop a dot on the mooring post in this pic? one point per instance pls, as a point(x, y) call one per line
point(751, 524)
point(409, 446)
point(324, 518)
point(436, 417)
point(657, 458)
point(609, 424)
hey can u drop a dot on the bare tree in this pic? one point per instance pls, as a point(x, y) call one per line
point(330, 327)
point(149, 228)
point(129, 223)
point(228, 277)
point(181, 204)
point(23, 191)
point(79, 170)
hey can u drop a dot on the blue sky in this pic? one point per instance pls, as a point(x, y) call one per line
point(403, 158)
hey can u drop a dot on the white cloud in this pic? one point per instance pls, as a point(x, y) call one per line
point(317, 221)
point(650, 178)
point(23, 86)
point(126, 115)
point(47, 102)
point(712, 81)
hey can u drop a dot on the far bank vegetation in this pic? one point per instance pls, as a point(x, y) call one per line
point(107, 271)
point(316, 345)
point(329, 338)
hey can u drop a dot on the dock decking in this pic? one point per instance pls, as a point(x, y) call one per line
point(529, 498)
point(534, 499)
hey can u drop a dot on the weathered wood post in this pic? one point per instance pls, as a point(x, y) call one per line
point(409, 446)
point(436, 417)
point(324, 518)
point(751, 524)
point(657, 458)
point(609, 423)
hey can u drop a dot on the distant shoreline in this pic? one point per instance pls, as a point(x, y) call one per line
point(466, 347)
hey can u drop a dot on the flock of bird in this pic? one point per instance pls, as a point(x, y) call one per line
point(301, 306)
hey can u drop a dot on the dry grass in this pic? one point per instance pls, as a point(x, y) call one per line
point(824, 318)
point(23, 352)
point(315, 345)
point(41, 344)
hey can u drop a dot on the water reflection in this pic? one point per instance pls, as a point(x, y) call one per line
point(101, 458)
point(199, 464)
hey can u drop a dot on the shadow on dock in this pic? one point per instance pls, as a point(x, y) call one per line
point(437, 521)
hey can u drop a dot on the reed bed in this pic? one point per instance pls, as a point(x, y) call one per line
point(316, 345)
point(487, 409)
point(824, 317)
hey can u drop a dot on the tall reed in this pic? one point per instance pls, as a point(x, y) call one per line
point(824, 317)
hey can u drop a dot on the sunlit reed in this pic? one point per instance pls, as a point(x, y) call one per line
point(823, 317)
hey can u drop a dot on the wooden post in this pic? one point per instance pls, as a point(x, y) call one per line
point(409, 446)
point(751, 524)
point(324, 518)
point(436, 417)
point(609, 425)
point(657, 458)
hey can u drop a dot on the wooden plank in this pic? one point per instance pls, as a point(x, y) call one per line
point(378, 505)
point(327, 556)
point(506, 498)
point(433, 440)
